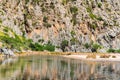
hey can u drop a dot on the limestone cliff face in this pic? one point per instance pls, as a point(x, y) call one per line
point(82, 23)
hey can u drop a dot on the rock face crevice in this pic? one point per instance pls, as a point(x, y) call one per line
point(83, 23)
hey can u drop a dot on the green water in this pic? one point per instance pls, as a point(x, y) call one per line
point(57, 68)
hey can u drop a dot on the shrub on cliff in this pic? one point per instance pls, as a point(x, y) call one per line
point(64, 44)
point(113, 50)
point(36, 47)
point(73, 9)
point(99, 5)
point(87, 45)
point(16, 42)
point(95, 47)
point(49, 47)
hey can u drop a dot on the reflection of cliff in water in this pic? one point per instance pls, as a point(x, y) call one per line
point(8, 61)
point(57, 68)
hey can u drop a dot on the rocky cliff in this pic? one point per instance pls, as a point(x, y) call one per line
point(72, 25)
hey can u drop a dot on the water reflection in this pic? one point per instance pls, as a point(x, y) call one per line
point(58, 68)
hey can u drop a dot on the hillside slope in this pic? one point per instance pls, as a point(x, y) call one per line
point(71, 25)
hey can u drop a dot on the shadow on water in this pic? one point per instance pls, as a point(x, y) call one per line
point(57, 68)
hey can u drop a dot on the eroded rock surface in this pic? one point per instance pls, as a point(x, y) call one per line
point(80, 22)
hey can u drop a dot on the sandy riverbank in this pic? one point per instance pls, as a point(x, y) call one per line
point(81, 56)
point(95, 57)
point(37, 53)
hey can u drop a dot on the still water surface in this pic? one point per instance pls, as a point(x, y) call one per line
point(57, 68)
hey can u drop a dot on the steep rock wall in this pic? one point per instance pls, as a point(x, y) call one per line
point(83, 23)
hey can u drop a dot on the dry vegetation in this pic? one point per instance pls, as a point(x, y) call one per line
point(93, 56)
point(105, 56)
point(113, 56)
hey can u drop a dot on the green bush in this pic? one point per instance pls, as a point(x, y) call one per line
point(64, 44)
point(45, 19)
point(100, 19)
point(24, 44)
point(73, 0)
point(44, 9)
point(74, 21)
point(92, 16)
point(47, 25)
point(108, 9)
point(0, 21)
point(95, 47)
point(52, 5)
point(29, 16)
point(2, 13)
point(21, 43)
point(72, 33)
point(5, 29)
point(87, 45)
point(36, 47)
point(41, 40)
point(64, 2)
point(26, 1)
point(34, 23)
point(117, 51)
point(73, 41)
point(49, 47)
point(89, 9)
point(105, 24)
point(73, 9)
point(36, 1)
point(99, 5)
point(93, 25)
point(15, 43)
point(113, 50)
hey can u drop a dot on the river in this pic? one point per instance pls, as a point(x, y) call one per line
point(39, 67)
